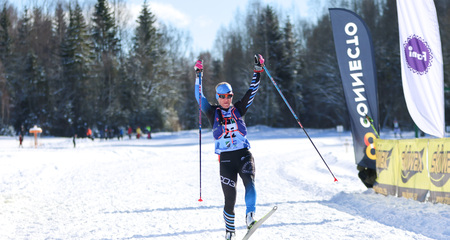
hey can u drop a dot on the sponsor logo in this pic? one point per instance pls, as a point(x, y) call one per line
point(248, 168)
point(227, 181)
point(418, 54)
point(440, 167)
point(412, 162)
point(356, 69)
point(384, 158)
point(369, 139)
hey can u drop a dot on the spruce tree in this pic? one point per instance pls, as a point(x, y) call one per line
point(78, 103)
point(20, 77)
point(107, 48)
point(147, 57)
point(5, 56)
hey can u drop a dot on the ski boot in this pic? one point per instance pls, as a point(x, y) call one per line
point(230, 236)
point(250, 219)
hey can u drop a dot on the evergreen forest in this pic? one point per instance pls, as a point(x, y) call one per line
point(74, 65)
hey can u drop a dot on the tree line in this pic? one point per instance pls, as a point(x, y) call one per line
point(69, 67)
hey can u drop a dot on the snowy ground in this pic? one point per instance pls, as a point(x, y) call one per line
point(148, 189)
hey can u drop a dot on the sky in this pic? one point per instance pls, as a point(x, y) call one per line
point(142, 189)
point(203, 18)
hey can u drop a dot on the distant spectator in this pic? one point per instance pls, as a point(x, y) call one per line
point(20, 140)
point(89, 134)
point(397, 129)
point(149, 132)
point(74, 140)
point(22, 133)
point(106, 133)
point(130, 131)
point(120, 135)
point(138, 132)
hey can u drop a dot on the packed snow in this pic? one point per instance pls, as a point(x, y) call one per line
point(149, 189)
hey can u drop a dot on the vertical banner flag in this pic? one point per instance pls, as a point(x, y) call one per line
point(422, 65)
point(354, 52)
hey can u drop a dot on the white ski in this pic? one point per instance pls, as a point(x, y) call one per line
point(259, 223)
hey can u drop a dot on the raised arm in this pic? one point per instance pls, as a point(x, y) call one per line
point(247, 99)
point(206, 106)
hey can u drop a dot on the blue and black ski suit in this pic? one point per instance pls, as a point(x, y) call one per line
point(232, 146)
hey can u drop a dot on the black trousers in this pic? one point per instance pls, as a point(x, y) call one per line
point(232, 164)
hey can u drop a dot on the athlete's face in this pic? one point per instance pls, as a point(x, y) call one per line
point(225, 100)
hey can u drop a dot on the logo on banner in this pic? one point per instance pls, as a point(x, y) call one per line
point(369, 139)
point(440, 166)
point(384, 158)
point(412, 163)
point(417, 54)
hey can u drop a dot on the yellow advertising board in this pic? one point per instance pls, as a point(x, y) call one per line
point(439, 169)
point(387, 166)
point(413, 179)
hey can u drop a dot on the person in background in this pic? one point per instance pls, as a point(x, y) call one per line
point(231, 143)
point(397, 129)
point(89, 134)
point(74, 140)
point(22, 133)
point(20, 140)
point(149, 131)
point(120, 136)
point(130, 131)
point(138, 132)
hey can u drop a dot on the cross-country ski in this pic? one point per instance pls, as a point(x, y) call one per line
point(259, 223)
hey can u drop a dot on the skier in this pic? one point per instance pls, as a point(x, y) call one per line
point(231, 144)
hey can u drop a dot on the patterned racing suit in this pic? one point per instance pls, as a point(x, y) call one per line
point(230, 131)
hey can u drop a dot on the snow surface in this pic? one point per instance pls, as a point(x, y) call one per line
point(149, 189)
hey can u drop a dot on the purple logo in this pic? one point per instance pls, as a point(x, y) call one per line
point(418, 55)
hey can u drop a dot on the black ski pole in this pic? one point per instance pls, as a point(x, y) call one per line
point(298, 120)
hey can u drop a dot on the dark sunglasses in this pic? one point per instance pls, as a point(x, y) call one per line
point(223, 96)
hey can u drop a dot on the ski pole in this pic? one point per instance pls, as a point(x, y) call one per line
point(200, 129)
point(298, 120)
point(371, 124)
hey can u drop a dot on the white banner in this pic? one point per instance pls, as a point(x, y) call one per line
point(422, 65)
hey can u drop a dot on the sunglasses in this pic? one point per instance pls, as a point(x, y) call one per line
point(228, 96)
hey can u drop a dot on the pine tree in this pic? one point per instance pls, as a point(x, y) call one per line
point(322, 86)
point(269, 42)
point(78, 99)
point(55, 72)
point(387, 57)
point(104, 30)
point(19, 79)
point(148, 59)
point(107, 48)
point(288, 72)
point(5, 39)
point(5, 55)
